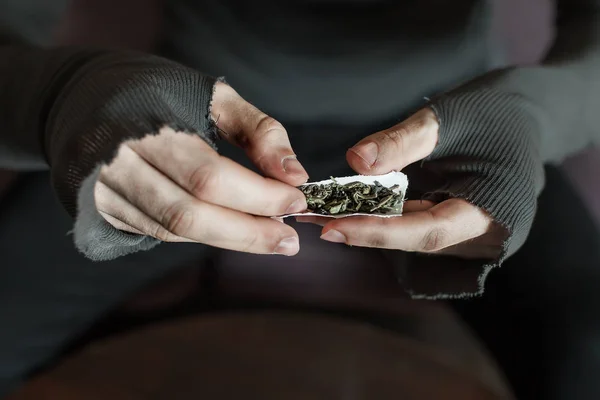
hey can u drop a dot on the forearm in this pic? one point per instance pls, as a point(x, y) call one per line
point(497, 130)
point(30, 80)
point(562, 95)
point(71, 108)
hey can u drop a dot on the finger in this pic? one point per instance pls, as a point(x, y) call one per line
point(116, 210)
point(395, 148)
point(263, 138)
point(195, 166)
point(446, 224)
point(120, 225)
point(122, 214)
point(178, 215)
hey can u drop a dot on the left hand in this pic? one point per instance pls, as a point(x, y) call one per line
point(453, 227)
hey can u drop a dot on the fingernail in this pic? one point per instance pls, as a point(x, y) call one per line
point(292, 166)
point(296, 207)
point(288, 246)
point(367, 152)
point(334, 236)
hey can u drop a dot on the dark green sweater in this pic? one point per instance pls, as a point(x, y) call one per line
point(335, 62)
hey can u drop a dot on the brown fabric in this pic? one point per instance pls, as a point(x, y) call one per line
point(275, 356)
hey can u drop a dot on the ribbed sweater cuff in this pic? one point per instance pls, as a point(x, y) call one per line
point(113, 98)
point(488, 153)
point(94, 237)
point(104, 100)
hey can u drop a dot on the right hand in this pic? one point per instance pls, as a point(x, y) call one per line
point(173, 186)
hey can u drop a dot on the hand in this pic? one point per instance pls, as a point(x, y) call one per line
point(175, 187)
point(453, 227)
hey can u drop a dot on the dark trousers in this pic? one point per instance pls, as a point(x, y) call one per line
point(538, 317)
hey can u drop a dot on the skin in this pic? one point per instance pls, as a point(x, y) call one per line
point(175, 187)
point(453, 227)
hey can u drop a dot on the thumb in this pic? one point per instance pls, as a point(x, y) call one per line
point(263, 138)
point(395, 148)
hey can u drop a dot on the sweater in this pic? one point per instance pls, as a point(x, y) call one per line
point(68, 109)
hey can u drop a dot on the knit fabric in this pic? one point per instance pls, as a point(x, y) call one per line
point(71, 108)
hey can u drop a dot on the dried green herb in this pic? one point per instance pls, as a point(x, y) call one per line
point(354, 197)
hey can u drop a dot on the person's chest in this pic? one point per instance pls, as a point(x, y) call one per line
point(317, 28)
point(334, 62)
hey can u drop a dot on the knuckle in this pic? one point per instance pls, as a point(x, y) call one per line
point(202, 179)
point(268, 132)
point(162, 234)
point(397, 136)
point(435, 240)
point(270, 208)
point(262, 240)
point(268, 126)
point(177, 219)
point(251, 241)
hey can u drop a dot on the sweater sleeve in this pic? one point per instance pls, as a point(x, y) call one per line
point(69, 109)
point(562, 94)
point(498, 130)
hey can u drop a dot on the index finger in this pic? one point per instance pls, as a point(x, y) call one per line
point(446, 224)
point(191, 163)
point(264, 139)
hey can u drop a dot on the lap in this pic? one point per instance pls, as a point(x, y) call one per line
point(537, 316)
point(322, 275)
